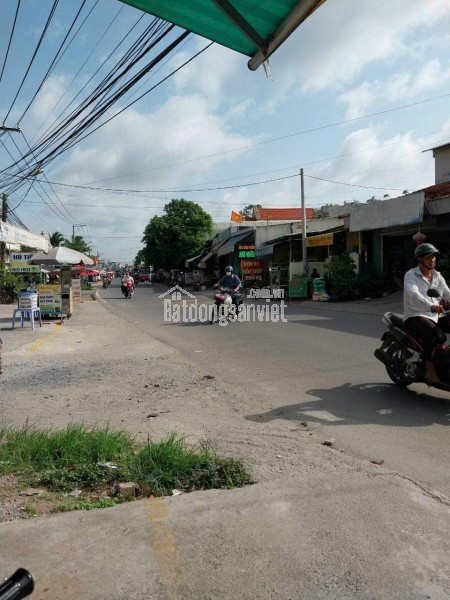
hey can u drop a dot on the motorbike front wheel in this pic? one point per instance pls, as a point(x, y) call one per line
point(397, 369)
point(214, 313)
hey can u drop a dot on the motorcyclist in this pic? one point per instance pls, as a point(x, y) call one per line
point(126, 280)
point(231, 282)
point(421, 313)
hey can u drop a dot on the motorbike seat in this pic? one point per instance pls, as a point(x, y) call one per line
point(397, 320)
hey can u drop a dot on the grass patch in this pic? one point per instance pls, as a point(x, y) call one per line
point(94, 461)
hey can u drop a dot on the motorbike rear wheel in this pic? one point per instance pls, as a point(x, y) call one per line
point(214, 313)
point(397, 372)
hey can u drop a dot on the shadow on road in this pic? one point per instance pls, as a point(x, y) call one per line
point(356, 324)
point(370, 403)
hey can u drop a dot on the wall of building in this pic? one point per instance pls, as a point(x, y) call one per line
point(442, 165)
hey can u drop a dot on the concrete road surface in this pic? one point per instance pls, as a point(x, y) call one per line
point(317, 524)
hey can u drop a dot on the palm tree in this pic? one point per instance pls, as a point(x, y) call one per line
point(57, 239)
point(78, 243)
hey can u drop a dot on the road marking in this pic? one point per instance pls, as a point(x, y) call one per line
point(173, 574)
point(38, 343)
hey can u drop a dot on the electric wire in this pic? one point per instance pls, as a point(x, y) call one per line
point(50, 17)
point(10, 40)
point(77, 74)
point(54, 61)
point(83, 124)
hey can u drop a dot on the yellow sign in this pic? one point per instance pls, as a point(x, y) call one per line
point(326, 239)
point(49, 288)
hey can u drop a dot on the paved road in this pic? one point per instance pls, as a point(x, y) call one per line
point(318, 525)
point(316, 367)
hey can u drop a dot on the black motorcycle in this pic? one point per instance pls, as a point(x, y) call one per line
point(402, 355)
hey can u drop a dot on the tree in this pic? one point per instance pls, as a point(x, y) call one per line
point(177, 235)
point(57, 239)
point(248, 212)
point(78, 243)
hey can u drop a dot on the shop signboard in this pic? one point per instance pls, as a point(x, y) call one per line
point(76, 288)
point(20, 259)
point(27, 269)
point(18, 262)
point(50, 299)
point(252, 269)
point(326, 239)
point(247, 251)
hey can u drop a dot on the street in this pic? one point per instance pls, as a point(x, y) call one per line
point(318, 367)
point(323, 520)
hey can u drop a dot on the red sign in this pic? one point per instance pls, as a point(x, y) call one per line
point(251, 268)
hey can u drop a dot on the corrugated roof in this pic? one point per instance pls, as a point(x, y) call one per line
point(282, 214)
point(437, 191)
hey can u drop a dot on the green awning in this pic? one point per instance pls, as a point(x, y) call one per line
point(255, 28)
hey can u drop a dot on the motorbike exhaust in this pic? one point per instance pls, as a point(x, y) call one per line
point(383, 357)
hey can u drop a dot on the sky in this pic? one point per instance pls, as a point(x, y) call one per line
point(354, 97)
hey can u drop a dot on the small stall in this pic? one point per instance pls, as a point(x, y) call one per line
point(56, 298)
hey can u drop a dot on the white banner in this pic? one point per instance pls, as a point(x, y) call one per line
point(15, 235)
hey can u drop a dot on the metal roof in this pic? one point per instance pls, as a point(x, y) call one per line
point(255, 28)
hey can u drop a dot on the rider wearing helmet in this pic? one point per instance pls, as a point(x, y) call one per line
point(230, 281)
point(421, 313)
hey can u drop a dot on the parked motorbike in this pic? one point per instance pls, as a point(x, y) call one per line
point(224, 299)
point(402, 355)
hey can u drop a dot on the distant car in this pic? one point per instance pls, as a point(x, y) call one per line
point(144, 277)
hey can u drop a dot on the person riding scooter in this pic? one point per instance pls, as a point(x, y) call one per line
point(421, 312)
point(127, 280)
point(232, 283)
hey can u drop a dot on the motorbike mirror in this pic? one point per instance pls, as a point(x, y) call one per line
point(433, 293)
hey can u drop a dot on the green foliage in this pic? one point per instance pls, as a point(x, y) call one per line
point(92, 459)
point(340, 276)
point(162, 466)
point(249, 210)
point(176, 236)
point(57, 239)
point(8, 281)
point(78, 243)
point(62, 459)
point(88, 504)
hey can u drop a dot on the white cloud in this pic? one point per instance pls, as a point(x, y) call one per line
point(342, 38)
point(368, 158)
point(210, 75)
point(403, 87)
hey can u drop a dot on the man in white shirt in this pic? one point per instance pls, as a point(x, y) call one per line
point(125, 280)
point(421, 312)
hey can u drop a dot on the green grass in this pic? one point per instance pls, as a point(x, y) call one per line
point(93, 459)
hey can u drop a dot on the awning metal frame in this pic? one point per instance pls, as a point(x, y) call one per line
point(234, 15)
point(295, 18)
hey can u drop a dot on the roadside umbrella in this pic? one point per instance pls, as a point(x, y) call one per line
point(61, 256)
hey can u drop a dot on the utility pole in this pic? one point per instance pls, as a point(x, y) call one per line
point(304, 249)
point(3, 244)
point(73, 230)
